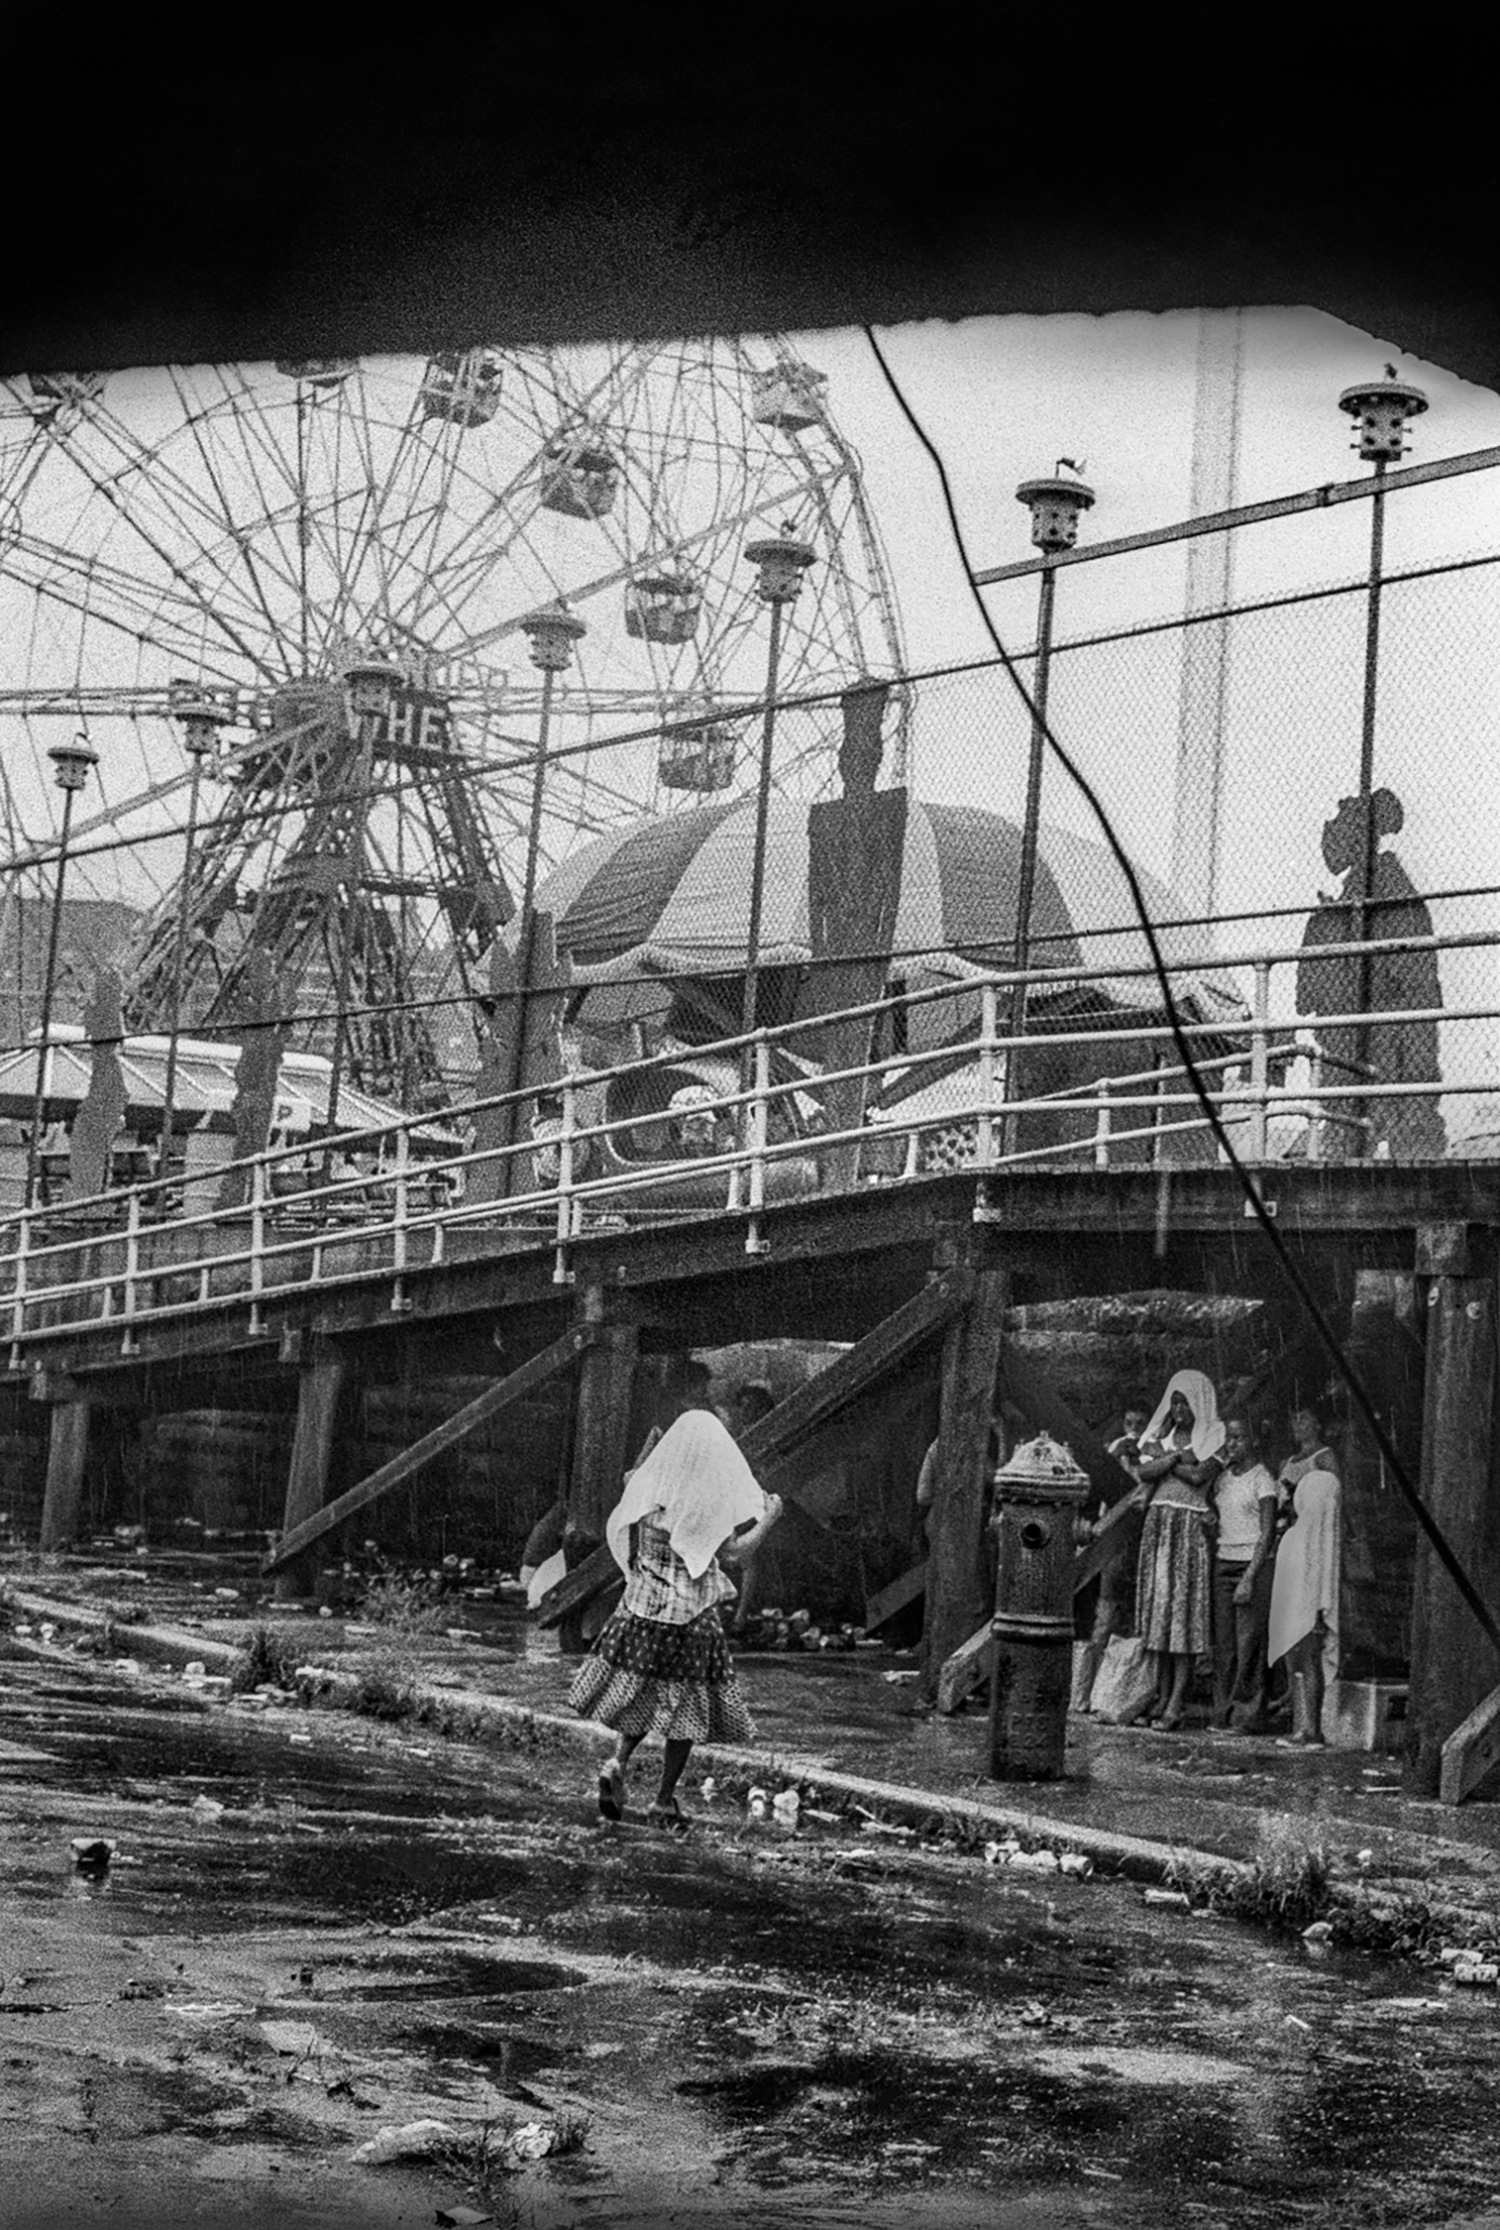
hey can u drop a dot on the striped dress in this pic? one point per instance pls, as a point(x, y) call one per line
point(661, 1665)
point(1174, 1578)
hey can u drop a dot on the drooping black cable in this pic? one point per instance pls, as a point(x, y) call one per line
point(1441, 1546)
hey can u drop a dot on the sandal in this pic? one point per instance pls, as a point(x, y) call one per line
point(612, 1793)
point(668, 1816)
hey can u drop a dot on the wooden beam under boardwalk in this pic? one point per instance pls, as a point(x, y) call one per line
point(769, 1443)
point(558, 1357)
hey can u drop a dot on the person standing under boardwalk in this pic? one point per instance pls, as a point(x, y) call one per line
point(1305, 1602)
point(662, 1665)
point(1114, 1612)
point(1246, 1497)
point(1311, 1454)
point(1179, 1460)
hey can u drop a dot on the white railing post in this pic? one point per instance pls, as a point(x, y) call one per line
point(759, 1132)
point(18, 1300)
point(128, 1341)
point(257, 1242)
point(401, 1217)
point(1317, 1136)
point(1259, 1070)
point(1102, 1123)
point(562, 1272)
point(984, 1141)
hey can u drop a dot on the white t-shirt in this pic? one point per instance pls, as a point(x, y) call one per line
point(1239, 1497)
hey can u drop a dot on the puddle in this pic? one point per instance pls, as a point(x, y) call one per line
point(498, 1978)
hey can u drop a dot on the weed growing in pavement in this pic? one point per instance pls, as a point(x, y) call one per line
point(270, 1660)
point(1285, 1884)
point(408, 1606)
point(1405, 1928)
point(481, 2166)
point(386, 1682)
point(570, 2127)
point(483, 2163)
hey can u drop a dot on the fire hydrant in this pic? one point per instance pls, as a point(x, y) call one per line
point(1037, 1497)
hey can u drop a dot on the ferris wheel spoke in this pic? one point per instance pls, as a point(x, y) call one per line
point(255, 434)
point(304, 518)
point(72, 592)
point(179, 497)
point(134, 515)
point(226, 524)
point(189, 586)
point(414, 613)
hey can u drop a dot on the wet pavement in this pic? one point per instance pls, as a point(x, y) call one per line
point(854, 1714)
point(755, 2027)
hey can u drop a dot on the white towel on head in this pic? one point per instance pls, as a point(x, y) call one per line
point(1208, 1426)
point(702, 1486)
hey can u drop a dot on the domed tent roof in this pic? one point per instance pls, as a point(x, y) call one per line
point(671, 896)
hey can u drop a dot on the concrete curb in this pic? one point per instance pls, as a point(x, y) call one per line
point(924, 1810)
point(169, 1645)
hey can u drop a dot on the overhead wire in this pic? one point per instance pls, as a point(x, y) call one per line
point(1353, 1383)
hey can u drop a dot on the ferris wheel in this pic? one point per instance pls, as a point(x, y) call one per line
point(228, 541)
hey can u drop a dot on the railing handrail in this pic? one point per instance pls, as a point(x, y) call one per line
point(49, 1239)
point(963, 985)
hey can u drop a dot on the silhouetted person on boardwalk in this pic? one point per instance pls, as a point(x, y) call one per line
point(1409, 1128)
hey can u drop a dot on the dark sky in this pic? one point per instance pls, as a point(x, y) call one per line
point(570, 174)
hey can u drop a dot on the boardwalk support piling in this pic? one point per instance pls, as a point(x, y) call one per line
point(67, 1460)
point(558, 1357)
point(1453, 1667)
point(321, 1381)
point(602, 1417)
point(955, 1581)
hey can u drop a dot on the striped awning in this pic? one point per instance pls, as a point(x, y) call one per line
point(672, 896)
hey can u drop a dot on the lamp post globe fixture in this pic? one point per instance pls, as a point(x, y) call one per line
point(73, 763)
point(781, 561)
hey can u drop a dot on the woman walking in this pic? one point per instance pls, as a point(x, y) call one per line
point(1178, 1464)
point(661, 1665)
point(1305, 1602)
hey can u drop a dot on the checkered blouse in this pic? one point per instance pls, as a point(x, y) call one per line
point(661, 1588)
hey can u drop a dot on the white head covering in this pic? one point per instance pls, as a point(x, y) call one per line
point(1307, 1566)
point(1208, 1428)
point(703, 1487)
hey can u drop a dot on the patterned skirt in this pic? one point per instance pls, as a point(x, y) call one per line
point(1174, 1582)
point(644, 1677)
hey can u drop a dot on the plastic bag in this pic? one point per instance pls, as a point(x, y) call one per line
point(411, 2141)
point(1126, 1680)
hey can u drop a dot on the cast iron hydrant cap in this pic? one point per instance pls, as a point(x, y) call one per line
point(1042, 1462)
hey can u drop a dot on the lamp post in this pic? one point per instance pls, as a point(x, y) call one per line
point(781, 561)
point(1380, 409)
point(552, 635)
point(200, 720)
point(1055, 505)
point(369, 684)
point(72, 762)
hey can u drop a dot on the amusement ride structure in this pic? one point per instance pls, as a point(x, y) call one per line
point(366, 631)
